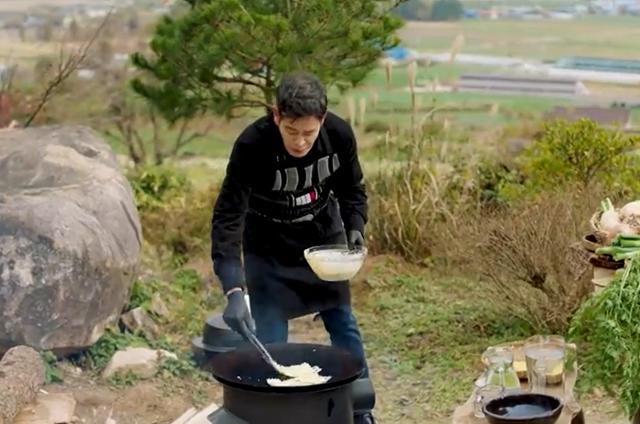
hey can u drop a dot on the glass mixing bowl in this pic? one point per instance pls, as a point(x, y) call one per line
point(335, 262)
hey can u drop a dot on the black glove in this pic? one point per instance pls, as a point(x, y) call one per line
point(237, 315)
point(355, 239)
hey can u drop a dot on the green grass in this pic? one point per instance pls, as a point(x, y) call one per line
point(548, 39)
point(431, 331)
point(443, 72)
point(468, 109)
point(467, 99)
point(635, 117)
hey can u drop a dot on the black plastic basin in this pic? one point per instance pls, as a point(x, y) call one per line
point(523, 408)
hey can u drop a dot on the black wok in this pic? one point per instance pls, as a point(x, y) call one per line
point(244, 367)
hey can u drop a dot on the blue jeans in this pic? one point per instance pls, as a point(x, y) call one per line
point(339, 322)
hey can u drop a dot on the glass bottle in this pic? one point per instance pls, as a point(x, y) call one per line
point(569, 381)
point(500, 371)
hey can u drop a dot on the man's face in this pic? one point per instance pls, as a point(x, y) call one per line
point(298, 134)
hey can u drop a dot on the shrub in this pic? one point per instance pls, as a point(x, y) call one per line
point(529, 257)
point(447, 10)
point(377, 127)
point(192, 302)
point(414, 10)
point(155, 185)
point(176, 217)
point(494, 179)
point(582, 154)
point(181, 226)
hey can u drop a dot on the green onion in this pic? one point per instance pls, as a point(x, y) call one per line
point(629, 243)
point(628, 236)
point(616, 250)
point(628, 255)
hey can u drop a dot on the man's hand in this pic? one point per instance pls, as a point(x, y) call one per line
point(236, 314)
point(355, 239)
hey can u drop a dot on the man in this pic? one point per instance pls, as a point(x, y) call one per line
point(293, 181)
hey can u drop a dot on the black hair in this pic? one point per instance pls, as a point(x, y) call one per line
point(301, 94)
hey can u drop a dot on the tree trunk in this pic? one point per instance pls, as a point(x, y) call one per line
point(21, 377)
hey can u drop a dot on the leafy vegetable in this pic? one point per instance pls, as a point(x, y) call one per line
point(609, 327)
point(607, 205)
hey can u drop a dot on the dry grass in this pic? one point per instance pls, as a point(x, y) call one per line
point(17, 52)
point(428, 205)
point(528, 257)
point(417, 204)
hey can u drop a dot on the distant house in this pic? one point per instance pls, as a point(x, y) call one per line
point(98, 11)
point(561, 15)
point(162, 10)
point(398, 53)
point(34, 22)
point(86, 74)
point(608, 117)
point(471, 14)
point(514, 84)
point(599, 64)
point(613, 7)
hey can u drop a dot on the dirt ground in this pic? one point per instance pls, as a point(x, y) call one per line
point(153, 401)
point(160, 401)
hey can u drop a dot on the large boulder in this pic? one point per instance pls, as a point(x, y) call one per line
point(70, 238)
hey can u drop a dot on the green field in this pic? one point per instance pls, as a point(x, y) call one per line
point(470, 110)
point(615, 37)
point(635, 117)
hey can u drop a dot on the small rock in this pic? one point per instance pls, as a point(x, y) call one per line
point(54, 408)
point(137, 320)
point(186, 416)
point(69, 369)
point(109, 419)
point(159, 307)
point(141, 361)
point(201, 416)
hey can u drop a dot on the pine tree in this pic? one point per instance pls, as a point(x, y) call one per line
point(226, 55)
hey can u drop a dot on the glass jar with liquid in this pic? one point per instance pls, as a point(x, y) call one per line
point(500, 371)
point(545, 361)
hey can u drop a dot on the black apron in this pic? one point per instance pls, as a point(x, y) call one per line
point(276, 235)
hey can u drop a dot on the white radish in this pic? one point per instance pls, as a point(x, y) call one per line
point(626, 229)
point(629, 209)
point(610, 222)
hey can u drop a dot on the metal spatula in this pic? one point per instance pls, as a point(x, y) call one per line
point(249, 335)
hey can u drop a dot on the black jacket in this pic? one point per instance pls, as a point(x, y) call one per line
point(278, 204)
